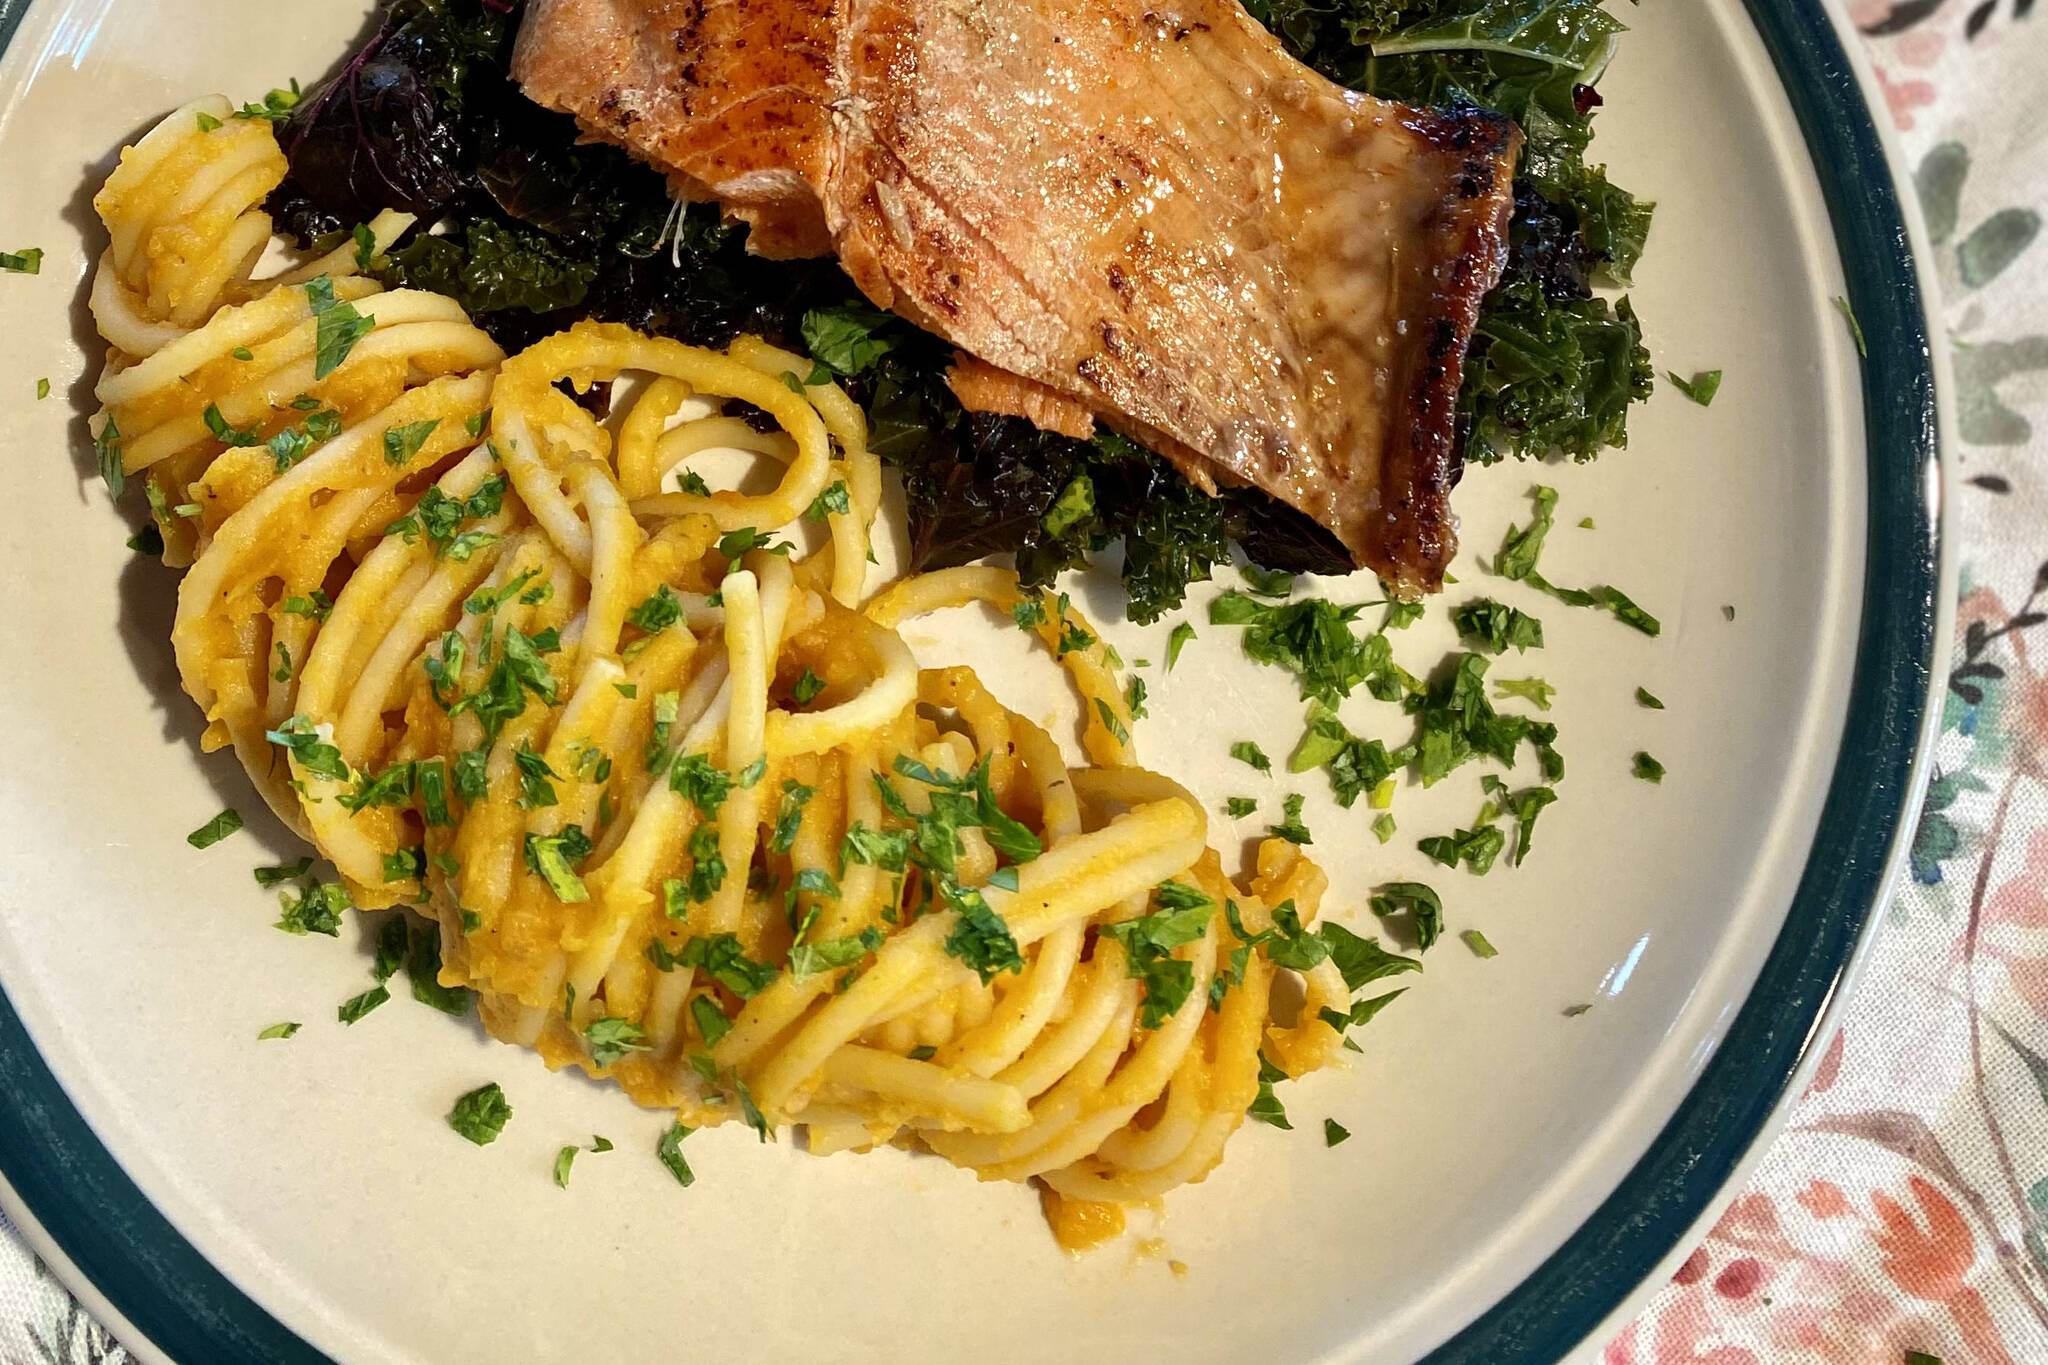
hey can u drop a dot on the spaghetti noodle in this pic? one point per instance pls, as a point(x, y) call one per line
point(684, 808)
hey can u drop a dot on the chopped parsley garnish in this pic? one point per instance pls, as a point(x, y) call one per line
point(476, 422)
point(226, 434)
point(1149, 941)
point(216, 829)
point(658, 611)
point(1267, 1108)
point(1360, 960)
point(1383, 827)
point(438, 517)
point(1525, 807)
point(315, 605)
point(535, 789)
point(670, 1152)
point(981, 939)
point(423, 972)
point(1574, 1011)
point(1921, 1358)
point(1476, 848)
point(284, 1030)
point(563, 1160)
point(356, 1007)
point(404, 865)
point(308, 749)
point(1311, 639)
point(923, 1052)
point(1290, 827)
point(1424, 907)
point(1266, 582)
point(847, 339)
point(963, 801)
point(733, 544)
point(551, 857)
point(707, 863)
point(1532, 690)
point(1237, 807)
point(392, 940)
point(268, 877)
point(1518, 557)
point(1177, 641)
point(710, 1019)
point(806, 687)
point(1476, 941)
point(1855, 327)
point(1028, 613)
point(833, 501)
point(314, 909)
point(1645, 699)
point(1075, 504)
point(1334, 1132)
point(883, 848)
point(1360, 1014)
point(1354, 766)
point(720, 957)
point(1073, 636)
point(481, 1114)
point(1647, 768)
point(1401, 615)
point(789, 819)
point(391, 786)
point(1495, 627)
point(610, 1038)
point(701, 780)
point(1244, 751)
point(1458, 724)
point(402, 443)
point(1134, 698)
point(1107, 715)
point(107, 447)
point(42, 389)
point(1701, 388)
point(277, 106)
point(337, 327)
point(27, 261)
point(808, 959)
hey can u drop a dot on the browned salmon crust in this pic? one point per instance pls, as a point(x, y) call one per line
point(1149, 210)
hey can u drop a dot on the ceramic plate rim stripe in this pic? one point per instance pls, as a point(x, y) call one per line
point(67, 1186)
point(1874, 794)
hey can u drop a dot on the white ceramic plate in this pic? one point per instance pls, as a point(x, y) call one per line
point(1515, 1173)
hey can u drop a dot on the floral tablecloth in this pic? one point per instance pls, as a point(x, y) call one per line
point(1906, 1207)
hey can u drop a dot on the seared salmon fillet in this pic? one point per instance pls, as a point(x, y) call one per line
point(1149, 210)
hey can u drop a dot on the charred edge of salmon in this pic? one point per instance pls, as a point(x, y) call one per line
point(1442, 296)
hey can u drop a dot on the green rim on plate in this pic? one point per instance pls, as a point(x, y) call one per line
point(175, 1299)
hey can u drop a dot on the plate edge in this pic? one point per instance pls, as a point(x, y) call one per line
point(1511, 1332)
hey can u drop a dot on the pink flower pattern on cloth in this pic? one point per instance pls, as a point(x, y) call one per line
point(1905, 1208)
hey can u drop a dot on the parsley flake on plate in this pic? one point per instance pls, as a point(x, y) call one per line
point(1334, 1132)
point(27, 261)
point(283, 1030)
point(1244, 751)
point(670, 1152)
point(481, 1114)
point(1701, 388)
point(1647, 768)
point(356, 1007)
point(216, 829)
